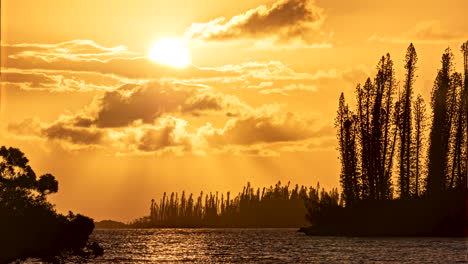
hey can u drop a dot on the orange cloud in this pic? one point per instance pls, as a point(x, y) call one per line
point(31, 80)
point(147, 102)
point(58, 130)
point(169, 132)
point(292, 87)
point(75, 49)
point(285, 19)
point(86, 56)
point(72, 134)
point(65, 73)
point(59, 81)
point(259, 127)
point(265, 132)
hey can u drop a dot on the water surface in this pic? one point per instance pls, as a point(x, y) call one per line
point(269, 246)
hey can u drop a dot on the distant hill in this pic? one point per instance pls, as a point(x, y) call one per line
point(110, 224)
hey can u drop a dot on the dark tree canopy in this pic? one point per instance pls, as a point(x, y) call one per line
point(29, 225)
point(406, 174)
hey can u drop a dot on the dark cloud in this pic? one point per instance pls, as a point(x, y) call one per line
point(213, 102)
point(147, 102)
point(285, 19)
point(134, 102)
point(170, 132)
point(75, 135)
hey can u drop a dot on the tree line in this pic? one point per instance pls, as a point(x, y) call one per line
point(276, 206)
point(386, 134)
point(392, 184)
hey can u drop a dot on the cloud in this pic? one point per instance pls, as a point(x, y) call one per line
point(165, 134)
point(277, 78)
point(26, 127)
point(132, 102)
point(59, 130)
point(87, 57)
point(208, 101)
point(60, 81)
point(169, 132)
point(141, 107)
point(75, 50)
point(321, 40)
point(264, 126)
point(288, 88)
point(429, 31)
point(92, 74)
point(285, 19)
point(147, 102)
point(265, 132)
point(72, 134)
point(30, 80)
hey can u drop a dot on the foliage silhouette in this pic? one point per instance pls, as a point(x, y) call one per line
point(276, 206)
point(346, 122)
point(29, 225)
point(404, 125)
point(366, 164)
point(420, 126)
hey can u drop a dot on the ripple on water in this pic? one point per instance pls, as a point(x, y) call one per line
point(269, 246)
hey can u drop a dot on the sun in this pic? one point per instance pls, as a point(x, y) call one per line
point(170, 51)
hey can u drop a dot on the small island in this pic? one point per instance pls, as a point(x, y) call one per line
point(110, 224)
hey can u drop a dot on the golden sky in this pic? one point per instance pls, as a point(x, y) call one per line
point(82, 99)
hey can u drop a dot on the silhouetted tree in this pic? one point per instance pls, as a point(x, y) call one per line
point(374, 126)
point(47, 184)
point(456, 125)
point(404, 124)
point(463, 181)
point(441, 127)
point(364, 107)
point(459, 133)
point(276, 206)
point(29, 225)
point(345, 122)
point(378, 124)
point(418, 142)
point(382, 139)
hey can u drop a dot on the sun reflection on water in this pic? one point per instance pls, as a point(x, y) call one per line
point(269, 246)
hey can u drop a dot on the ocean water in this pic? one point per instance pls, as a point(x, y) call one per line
point(270, 246)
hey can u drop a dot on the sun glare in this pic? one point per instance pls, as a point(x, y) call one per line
point(170, 51)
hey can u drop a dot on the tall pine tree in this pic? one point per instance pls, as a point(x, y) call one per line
point(440, 131)
point(418, 143)
point(404, 124)
point(346, 124)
